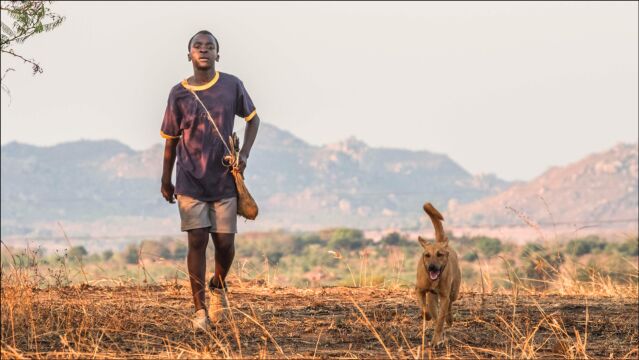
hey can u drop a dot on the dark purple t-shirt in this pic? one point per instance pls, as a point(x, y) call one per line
point(200, 172)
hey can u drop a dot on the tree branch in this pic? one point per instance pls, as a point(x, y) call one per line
point(36, 67)
point(5, 88)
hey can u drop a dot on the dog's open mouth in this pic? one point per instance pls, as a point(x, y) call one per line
point(434, 275)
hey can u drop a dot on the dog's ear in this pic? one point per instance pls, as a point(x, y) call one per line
point(422, 241)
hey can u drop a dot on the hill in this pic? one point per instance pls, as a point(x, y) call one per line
point(599, 189)
point(105, 188)
point(295, 183)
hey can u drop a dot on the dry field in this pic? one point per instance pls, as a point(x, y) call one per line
point(151, 321)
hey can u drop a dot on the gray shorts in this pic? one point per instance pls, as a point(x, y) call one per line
point(220, 215)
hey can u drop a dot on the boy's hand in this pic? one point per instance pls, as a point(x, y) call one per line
point(168, 192)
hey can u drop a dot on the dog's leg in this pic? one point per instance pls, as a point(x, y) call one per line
point(421, 298)
point(432, 301)
point(449, 315)
point(444, 305)
point(454, 293)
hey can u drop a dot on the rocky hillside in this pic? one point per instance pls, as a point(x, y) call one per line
point(599, 189)
point(301, 186)
point(296, 184)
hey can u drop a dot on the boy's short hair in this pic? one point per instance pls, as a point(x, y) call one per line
point(205, 32)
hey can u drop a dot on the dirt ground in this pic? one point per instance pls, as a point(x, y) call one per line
point(152, 322)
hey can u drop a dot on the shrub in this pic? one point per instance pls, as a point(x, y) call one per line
point(131, 254)
point(531, 249)
point(347, 239)
point(393, 239)
point(583, 246)
point(470, 257)
point(541, 264)
point(107, 255)
point(488, 246)
point(274, 257)
point(179, 253)
point(316, 255)
point(300, 242)
point(77, 252)
point(630, 247)
point(155, 249)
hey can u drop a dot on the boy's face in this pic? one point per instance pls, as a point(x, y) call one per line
point(203, 52)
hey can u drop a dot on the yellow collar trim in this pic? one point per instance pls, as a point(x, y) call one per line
point(187, 86)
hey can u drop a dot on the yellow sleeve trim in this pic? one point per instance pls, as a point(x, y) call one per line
point(168, 136)
point(201, 87)
point(251, 116)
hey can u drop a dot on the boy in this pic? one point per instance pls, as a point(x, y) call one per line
point(205, 189)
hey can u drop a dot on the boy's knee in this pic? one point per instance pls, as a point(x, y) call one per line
point(224, 242)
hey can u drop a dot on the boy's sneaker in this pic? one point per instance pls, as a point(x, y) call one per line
point(200, 320)
point(218, 306)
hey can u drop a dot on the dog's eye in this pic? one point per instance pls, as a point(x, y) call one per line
point(439, 254)
point(427, 255)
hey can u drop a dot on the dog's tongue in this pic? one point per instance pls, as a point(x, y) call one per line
point(433, 275)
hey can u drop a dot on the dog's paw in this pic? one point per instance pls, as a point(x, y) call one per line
point(437, 342)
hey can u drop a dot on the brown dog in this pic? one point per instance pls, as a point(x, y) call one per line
point(438, 277)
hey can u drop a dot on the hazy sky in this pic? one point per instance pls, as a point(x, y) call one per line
point(505, 88)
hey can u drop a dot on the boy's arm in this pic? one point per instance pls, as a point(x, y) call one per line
point(249, 138)
point(167, 187)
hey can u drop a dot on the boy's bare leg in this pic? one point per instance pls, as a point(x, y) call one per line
point(196, 262)
point(224, 255)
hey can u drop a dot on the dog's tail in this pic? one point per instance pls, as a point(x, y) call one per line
point(437, 219)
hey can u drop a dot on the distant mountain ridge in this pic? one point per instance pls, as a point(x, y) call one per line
point(301, 186)
point(346, 183)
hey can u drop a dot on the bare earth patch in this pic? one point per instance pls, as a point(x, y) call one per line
point(152, 322)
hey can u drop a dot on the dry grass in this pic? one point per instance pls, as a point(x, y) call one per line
point(568, 319)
